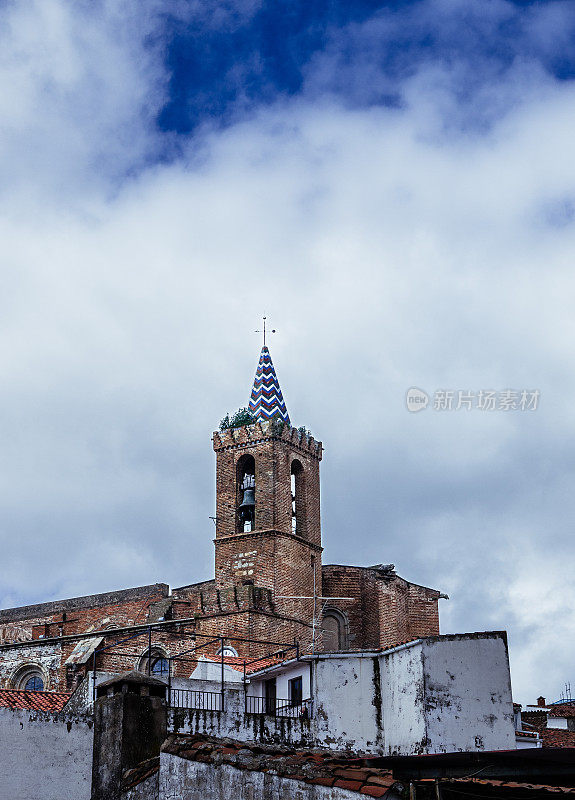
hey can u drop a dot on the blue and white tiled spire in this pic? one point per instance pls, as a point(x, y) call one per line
point(267, 400)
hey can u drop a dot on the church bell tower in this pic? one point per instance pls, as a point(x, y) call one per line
point(268, 529)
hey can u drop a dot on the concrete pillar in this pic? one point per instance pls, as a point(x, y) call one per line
point(130, 722)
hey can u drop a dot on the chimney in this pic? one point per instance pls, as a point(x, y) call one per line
point(541, 702)
point(130, 721)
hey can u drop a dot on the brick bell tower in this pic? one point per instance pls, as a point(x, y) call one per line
point(268, 529)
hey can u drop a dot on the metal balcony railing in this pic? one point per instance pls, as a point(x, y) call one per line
point(278, 708)
point(189, 698)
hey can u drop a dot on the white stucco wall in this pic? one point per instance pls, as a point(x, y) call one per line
point(557, 722)
point(440, 694)
point(235, 723)
point(448, 693)
point(146, 790)
point(467, 693)
point(208, 670)
point(402, 699)
point(283, 677)
point(189, 780)
point(45, 756)
point(346, 709)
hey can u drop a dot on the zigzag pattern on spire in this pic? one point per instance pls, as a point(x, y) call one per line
point(266, 401)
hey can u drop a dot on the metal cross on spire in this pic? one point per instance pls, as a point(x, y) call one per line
point(264, 330)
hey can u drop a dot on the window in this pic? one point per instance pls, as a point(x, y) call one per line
point(34, 684)
point(158, 663)
point(295, 691)
point(160, 667)
point(229, 652)
point(30, 678)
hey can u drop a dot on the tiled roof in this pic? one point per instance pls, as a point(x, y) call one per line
point(562, 710)
point(36, 701)
point(534, 789)
point(320, 767)
point(557, 737)
point(144, 770)
point(266, 401)
point(536, 720)
point(237, 662)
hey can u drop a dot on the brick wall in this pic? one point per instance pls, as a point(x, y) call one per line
point(274, 451)
point(386, 609)
point(64, 619)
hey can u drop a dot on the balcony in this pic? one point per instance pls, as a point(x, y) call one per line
point(275, 707)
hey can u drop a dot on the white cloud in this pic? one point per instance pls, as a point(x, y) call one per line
point(386, 254)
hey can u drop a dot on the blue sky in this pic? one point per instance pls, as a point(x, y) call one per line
point(227, 61)
point(394, 185)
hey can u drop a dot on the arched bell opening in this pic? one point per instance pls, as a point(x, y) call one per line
point(246, 494)
point(298, 510)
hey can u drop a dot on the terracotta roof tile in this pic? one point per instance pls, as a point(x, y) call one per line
point(236, 662)
point(140, 773)
point(562, 710)
point(320, 767)
point(36, 701)
point(542, 789)
point(557, 737)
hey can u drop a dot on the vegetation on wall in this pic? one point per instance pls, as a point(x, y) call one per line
point(241, 417)
point(244, 417)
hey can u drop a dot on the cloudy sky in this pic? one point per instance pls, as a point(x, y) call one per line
point(393, 184)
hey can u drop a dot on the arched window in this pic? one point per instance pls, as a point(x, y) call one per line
point(229, 652)
point(246, 493)
point(30, 678)
point(34, 684)
point(334, 631)
point(159, 665)
point(298, 516)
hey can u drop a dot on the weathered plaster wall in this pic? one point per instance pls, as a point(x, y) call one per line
point(236, 724)
point(347, 706)
point(191, 780)
point(46, 656)
point(468, 704)
point(45, 756)
point(402, 698)
point(446, 694)
point(146, 790)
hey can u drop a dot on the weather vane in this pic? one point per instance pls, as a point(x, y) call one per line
point(264, 330)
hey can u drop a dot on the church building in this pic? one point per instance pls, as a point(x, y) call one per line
point(270, 592)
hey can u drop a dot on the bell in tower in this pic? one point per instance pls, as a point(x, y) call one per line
point(247, 506)
point(268, 498)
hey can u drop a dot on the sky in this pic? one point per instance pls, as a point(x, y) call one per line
point(393, 185)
